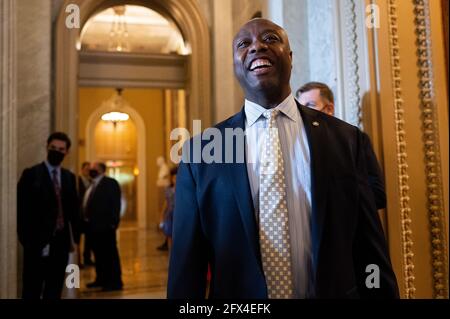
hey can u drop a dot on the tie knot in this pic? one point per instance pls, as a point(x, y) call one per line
point(271, 116)
point(55, 172)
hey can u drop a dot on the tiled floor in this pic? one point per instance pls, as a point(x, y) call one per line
point(144, 268)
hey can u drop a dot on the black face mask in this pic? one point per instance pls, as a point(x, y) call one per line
point(93, 173)
point(55, 157)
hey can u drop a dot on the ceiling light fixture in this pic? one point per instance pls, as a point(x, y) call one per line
point(118, 36)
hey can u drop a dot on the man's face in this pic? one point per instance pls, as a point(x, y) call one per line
point(262, 57)
point(85, 170)
point(58, 145)
point(314, 100)
point(96, 167)
point(94, 170)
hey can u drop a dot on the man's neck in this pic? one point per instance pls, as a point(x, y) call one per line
point(53, 166)
point(267, 101)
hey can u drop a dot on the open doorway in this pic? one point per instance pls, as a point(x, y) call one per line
point(131, 93)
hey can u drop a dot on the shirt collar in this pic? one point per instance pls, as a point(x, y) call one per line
point(51, 168)
point(254, 111)
point(97, 180)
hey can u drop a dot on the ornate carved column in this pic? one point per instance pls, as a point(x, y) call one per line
point(414, 120)
point(430, 131)
point(402, 155)
point(8, 149)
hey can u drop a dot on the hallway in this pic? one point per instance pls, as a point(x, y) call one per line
point(144, 268)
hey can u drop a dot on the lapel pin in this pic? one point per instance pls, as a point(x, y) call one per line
point(315, 123)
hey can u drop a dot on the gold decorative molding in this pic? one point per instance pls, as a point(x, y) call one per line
point(402, 156)
point(351, 47)
point(430, 126)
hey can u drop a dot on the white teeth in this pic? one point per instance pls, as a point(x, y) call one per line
point(258, 63)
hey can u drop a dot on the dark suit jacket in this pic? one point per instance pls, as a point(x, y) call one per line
point(81, 191)
point(81, 188)
point(37, 206)
point(376, 179)
point(214, 222)
point(103, 208)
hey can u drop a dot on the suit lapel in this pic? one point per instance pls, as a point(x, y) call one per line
point(316, 131)
point(238, 177)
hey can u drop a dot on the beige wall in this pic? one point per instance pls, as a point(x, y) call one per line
point(149, 104)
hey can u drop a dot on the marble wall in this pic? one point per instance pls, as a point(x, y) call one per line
point(293, 16)
point(321, 44)
point(34, 80)
point(8, 148)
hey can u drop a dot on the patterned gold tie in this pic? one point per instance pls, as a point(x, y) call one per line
point(273, 215)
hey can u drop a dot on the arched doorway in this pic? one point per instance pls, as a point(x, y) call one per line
point(91, 125)
point(187, 16)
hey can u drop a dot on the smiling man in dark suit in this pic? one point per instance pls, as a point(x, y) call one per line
point(47, 212)
point(294, 220)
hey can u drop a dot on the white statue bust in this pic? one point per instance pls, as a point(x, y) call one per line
point(163, 174)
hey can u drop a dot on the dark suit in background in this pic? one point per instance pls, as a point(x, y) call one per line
point(37, 210)
point(376, 179)
point(82, 188)
point(103, 214)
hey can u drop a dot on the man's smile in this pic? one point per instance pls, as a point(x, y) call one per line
point(260, 66)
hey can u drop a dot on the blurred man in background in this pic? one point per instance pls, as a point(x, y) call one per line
point(47, 221)
point(101, 205)
point(319, 96)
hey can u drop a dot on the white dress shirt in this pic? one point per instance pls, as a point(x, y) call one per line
point(297, 168)
point(91, 188)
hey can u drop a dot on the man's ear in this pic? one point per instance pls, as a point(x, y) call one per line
point(329, 109)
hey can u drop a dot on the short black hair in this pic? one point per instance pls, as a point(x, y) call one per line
point(85, 164)
point(325, 91)
point(102, 166)
point(60, 136)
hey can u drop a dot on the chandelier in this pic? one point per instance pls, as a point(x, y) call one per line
point(115, 104)
point(118, 36)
